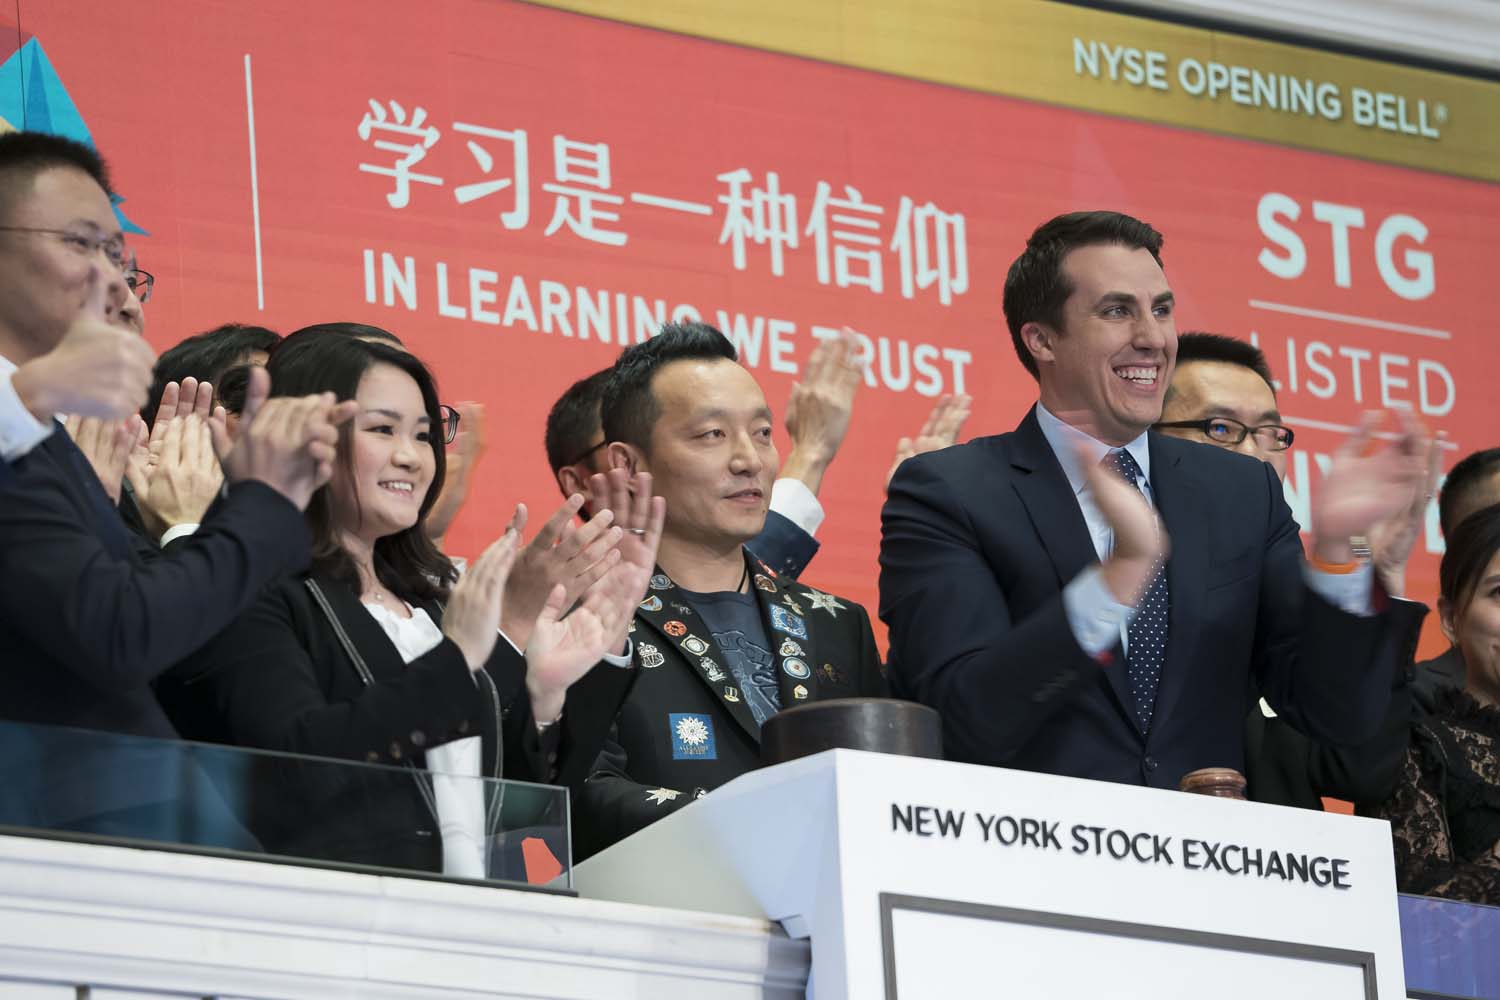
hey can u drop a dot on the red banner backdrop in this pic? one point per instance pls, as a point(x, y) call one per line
point(517, 191)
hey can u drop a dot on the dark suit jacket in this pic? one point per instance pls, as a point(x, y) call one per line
point(783, 546)
point(639, 778)
point(90, 613)
point(281, 678)
point(1285, 768)
point(979, 541)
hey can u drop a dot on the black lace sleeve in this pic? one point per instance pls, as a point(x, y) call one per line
point(1443, 815)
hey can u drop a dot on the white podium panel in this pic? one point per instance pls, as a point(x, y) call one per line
point(915, 878)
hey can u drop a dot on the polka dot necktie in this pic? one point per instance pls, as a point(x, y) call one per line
point(1148, 629)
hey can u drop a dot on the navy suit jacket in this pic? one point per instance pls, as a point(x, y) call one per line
point(979, 541)
point(90, 613)
point(783, 546)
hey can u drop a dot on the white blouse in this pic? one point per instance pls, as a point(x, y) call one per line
point(455, 766)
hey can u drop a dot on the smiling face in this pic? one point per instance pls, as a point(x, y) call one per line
point(1106, 370)
point(1202, 389)
point(711, 454)
point(44, 276)
point(380, 490)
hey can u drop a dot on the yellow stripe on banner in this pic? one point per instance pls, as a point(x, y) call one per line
point(1120, 65)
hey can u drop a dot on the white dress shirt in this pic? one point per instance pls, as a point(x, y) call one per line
point(20, 431)
point(794, 501)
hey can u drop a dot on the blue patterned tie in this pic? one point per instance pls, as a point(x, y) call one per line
point(1148, 629)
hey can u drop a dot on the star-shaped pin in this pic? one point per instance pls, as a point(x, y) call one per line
point(826, 602)
point(661, 796)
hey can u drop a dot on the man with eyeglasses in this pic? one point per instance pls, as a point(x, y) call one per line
point(89, 614)
point(1222, 393)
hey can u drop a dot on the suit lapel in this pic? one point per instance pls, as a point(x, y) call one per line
point(375, 648)
point(786, 615)
point(1182, 511)
point(75, 465)
point(673, 622)
point(1053, 507)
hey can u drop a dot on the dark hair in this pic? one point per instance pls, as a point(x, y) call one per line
point(1466, 479)
point(574, 420)
point(23, 155)
point(407, 562)
point(351, 330)
point(629, 409)
point(1199, 346)
point(206, 357)
point(1036, 287)
point(1470, 548)
point(229, 391)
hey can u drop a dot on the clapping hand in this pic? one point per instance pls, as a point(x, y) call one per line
point(1141, 543)
point(940, 431)
point(564, 649)
point(108, 445)
point(1367, 483)
point(1393, 539)
point(563, 554)
point(820, 406)
point(472, 617)
point(288, 443)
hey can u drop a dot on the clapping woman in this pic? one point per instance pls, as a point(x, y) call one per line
point(382, 653)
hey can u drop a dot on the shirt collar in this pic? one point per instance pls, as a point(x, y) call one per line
point(1063, 437)
point(7, 366)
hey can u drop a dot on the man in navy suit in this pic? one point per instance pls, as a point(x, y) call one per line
point(88, 616)
point(1083, 597)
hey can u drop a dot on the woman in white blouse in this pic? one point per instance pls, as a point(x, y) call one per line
point(381, 653)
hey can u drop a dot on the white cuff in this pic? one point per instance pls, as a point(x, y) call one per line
point(1096, 619)
point(1349, 592)
point(623, 660)
point(794, 501)
point(175, 532)
point(19, 430)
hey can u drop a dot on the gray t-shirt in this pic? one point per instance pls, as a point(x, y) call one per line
point(733, 619)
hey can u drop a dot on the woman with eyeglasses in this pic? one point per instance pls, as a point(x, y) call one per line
point(1445, 812)
point(381, 653)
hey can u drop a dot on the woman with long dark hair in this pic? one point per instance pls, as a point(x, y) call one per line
point(1445, 812)
point(382, 653)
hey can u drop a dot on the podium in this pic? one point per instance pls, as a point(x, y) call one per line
point(929, 880)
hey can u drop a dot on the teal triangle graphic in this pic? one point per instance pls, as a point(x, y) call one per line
point(32, 96)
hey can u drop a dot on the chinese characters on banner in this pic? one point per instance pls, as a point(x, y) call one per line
point(849, 237)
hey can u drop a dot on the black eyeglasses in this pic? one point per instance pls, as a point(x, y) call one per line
point(587, 453)
point(141, 282)
point(1226, 430)
point(450, 420)
point(85, 244)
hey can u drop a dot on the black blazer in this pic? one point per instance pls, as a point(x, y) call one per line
point(639, 777)
point(979, 541)
point(1283, 767)
point(282, 678)
point(783, 546)
point(90, 612)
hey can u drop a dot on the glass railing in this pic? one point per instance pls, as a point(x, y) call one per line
point(203, 798)
point(1450, 949)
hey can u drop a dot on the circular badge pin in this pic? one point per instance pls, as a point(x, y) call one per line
point(675, 629)
point(694, 645)
point(795, 667)
point(661, 582)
